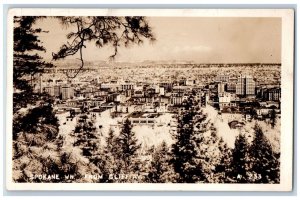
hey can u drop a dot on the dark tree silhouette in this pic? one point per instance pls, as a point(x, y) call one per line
point(223, 167)
point(40, 120)
point(103, 31)
point(239, 161)
point(35, 127)
point(88, 141)
point(129, 146)
point(26, 62)
point(109, 162)
point(87, 138)
point(186, 161)
point(264, 162)
point(160, 169)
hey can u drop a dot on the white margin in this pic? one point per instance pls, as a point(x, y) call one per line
point(287, 57)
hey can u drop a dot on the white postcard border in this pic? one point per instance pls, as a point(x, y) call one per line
point(287, 58)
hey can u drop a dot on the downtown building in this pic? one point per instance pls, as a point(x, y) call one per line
point(63, 91)
point(269, 93)
point(222, 78)
point(67, 92)
point(245, 86)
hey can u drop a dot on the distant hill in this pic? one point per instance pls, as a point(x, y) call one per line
point(71, 63)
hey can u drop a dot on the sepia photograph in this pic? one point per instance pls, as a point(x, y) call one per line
point(140, 99)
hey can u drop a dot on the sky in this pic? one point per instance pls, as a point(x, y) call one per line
point(198, 39)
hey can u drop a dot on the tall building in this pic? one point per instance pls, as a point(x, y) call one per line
point(41, 84)
point(221, 88)
point(245, 85)
point(66, 92)
point(56, 90)
point(190, 82)
point(269, 94)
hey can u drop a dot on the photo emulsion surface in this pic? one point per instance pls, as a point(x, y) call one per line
point(146, 99)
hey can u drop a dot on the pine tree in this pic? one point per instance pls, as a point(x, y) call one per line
point(129, 147)
point(25, 65)
point(109, 162)
point(264, 163)
point(35, 126)
point(223, 167)
point(26, 62)
point(186, 161)
point(87, 144)
point(213, 153)
point(239, 161)
point(160, 169)
point(110, 142)
point(87, 138)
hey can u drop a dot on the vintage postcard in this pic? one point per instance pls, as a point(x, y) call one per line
point(145, 99)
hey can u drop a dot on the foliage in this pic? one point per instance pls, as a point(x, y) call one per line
point(160, 170)
point(26, 61)
point(103, 31)
point(35, 126)
point(129, 147)
point(222, 169)
point(186, 161)
point(264, 162)
point(109, 163)
point(239, 160)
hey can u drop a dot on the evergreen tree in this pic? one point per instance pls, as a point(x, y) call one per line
point(214, 154)
point(264, 162)
point(129, 147)
point(87, 144)
point(109, 162)
point(186, 161)
point(111, 143)
point(35, 126)
point(223, 167)
point(87, 138)
point(26, 62)
point(160, 169)
point(239, 161)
